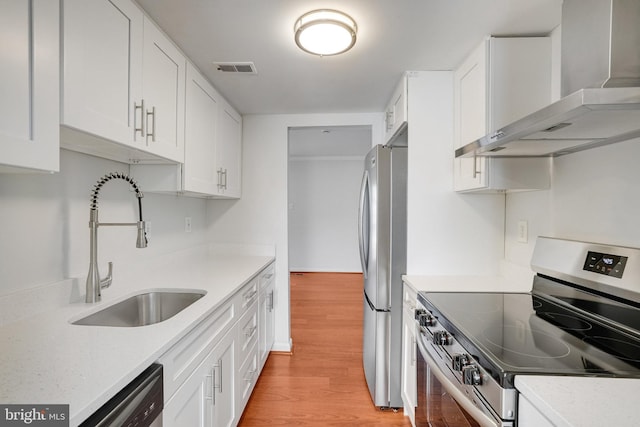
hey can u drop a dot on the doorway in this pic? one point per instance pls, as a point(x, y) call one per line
point(325, 170)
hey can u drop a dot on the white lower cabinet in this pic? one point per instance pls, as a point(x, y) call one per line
point(529, 415)
point(210, 373)
point(207, 397)
point(409, 385)
point(266, 315)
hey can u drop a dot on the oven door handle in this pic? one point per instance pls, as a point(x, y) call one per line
point(483, 419)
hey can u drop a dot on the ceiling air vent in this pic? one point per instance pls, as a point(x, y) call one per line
point(236, 67)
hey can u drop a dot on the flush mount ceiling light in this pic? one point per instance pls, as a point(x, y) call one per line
point(325, 32)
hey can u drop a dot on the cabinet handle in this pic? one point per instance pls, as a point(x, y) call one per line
point(225, 178)
point(390, 119)
point(137, 129)
point(249, 332)
point(268, 276)
point(250, 376)
point(219, 171)
point(413, 350)
point(151, 134)
point(249, 295)
point(270, 304)
point(213, 385)
point(476, 172)
point(213, 382)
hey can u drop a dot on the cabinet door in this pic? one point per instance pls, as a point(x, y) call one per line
point(163, 93)
point(470, 117)
point(409, 372)
point(29, 83)
point(103, 68)
point(201, 118)
point(224, 368)
point(266, 323)
point(229, 151)
point(192, 404)
point(396, 112)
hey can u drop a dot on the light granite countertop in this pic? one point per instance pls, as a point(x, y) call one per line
point(47, 360)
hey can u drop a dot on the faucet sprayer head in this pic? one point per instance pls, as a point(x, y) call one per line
point(141, 242)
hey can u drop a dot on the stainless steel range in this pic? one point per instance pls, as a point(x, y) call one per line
point(582, 318)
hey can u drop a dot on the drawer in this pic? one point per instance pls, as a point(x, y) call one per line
point(184, 357)
point(267, 276)
point(247, 377)
point(247, 333)
point(247, 296)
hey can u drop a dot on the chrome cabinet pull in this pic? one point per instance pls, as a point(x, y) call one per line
point(476, 172)
point(390, 119)
point(413, 351)
point(219, 171)
point(213, 386)
point(249, 295)
point(225, 178)
point(249, 332)
point(137, 129)
point(213, 382)
point(151, 134)
point(250, 375)
point(270, 301)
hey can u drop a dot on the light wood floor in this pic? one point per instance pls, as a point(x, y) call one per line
point(322, 383)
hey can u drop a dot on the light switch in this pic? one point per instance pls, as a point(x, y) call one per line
point(523, 231)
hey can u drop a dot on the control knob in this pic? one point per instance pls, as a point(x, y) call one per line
point(471, 375)
point(419, 313)
point(441, 338)
point(427, 320)
point(459, 361)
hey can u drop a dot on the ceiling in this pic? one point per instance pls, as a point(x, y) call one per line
point(393, 36)
point(329, 141)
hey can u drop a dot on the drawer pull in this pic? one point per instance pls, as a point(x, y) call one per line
point(250, 332)
point(249, 295)
point(250, 375)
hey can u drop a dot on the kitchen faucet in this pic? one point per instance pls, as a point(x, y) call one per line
point(94, 282)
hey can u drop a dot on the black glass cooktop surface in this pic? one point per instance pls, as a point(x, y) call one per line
point(518, 333)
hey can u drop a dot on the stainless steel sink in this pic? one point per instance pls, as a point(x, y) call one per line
point(142, 309)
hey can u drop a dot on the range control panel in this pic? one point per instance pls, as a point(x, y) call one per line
point(607, 264)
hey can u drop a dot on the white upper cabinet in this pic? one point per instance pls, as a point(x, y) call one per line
point(102, 81)
point(396, 112)
point(212, 148)
point(199, 172)
point(501, 81)
point(29, 84)
point(163, 93)
point(229, 152)
point(123, 82)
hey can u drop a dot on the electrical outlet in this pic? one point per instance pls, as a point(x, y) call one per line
point(523, 231)
point(187, 224)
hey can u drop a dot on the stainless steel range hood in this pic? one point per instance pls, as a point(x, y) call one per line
point(600, 84)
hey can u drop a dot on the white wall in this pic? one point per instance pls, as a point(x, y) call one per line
point(447, 233)
point(323, 213)
point(261, 216)
point(44, 233)
point(594, 197)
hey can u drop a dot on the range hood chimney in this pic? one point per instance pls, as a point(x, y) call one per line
point(600, 85)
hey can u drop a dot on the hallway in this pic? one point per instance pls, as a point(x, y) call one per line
point(322, 383)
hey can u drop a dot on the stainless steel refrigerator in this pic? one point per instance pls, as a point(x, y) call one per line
point(382, 235)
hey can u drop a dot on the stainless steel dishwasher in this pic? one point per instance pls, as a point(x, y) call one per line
point(139, 404)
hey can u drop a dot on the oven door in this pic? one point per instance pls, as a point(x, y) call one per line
point(437, 406)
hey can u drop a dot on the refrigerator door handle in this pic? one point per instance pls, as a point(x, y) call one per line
point(373, 308)
point(364, 256)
